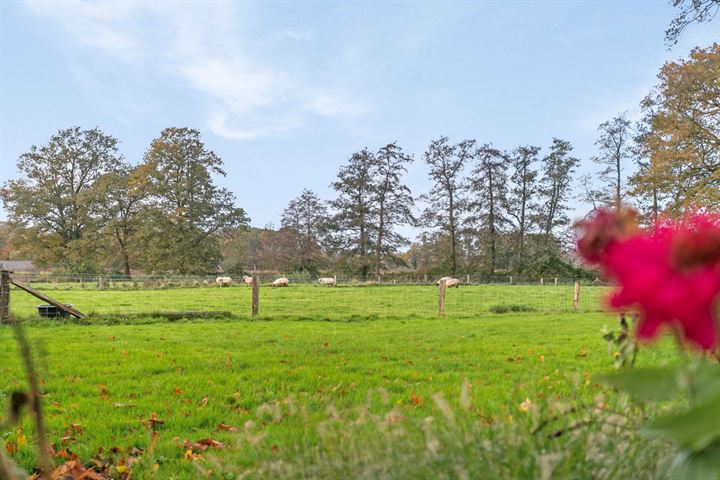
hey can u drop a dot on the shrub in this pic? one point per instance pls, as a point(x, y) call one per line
point(511, 308)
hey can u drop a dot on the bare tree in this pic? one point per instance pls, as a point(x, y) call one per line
point(393, 200)
point(615, 145)
point(446, 200)
point(488, 186)
point(306, 218)
point(691, 11)
point(521, 203)
point(558, 167)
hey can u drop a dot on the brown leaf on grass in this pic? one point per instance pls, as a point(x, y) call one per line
point(203, 402)
point(74, 470)
point(189, 455)
point(226, 428)
point(66, 454)
point(178, 391)
point(210, 443)
point(203, 444)
point(416, 400)
point(10, 447)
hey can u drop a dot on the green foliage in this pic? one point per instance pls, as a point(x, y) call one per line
point(305, 221)
point(694, 429)
point(514, 308)
point(646, 384)
point(50, 206)
point(549, 266)
point(187, 211)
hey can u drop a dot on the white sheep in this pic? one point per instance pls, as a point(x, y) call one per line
point(329, 281)
point(224, 281)
point(450, 282)
point(247, 280)
point(281, 282)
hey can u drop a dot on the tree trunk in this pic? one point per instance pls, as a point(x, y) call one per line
point(453, 239)
point(491, 222)
point(617, 191)
point(378, 247)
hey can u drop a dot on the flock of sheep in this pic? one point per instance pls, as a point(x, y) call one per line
point(450, 282)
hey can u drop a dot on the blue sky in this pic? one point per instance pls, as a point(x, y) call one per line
point(284, 92)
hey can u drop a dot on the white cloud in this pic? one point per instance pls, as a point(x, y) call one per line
point(245, 92)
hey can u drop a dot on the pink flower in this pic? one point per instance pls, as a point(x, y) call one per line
point(671, 273)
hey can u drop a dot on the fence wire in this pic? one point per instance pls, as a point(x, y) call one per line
point(351, 299)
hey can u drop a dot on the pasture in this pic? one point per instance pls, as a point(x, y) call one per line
point(314, 302)
point(341, 385)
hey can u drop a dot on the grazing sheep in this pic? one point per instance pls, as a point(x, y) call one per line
point(224, 281)
point(450, 282)
point(329, 281)
point(247, 280)
point(281, 282)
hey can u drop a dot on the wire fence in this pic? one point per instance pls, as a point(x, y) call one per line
point(304, 298)
point(61, 281)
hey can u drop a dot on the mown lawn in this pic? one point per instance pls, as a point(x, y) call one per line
point(322, 303)
point(286, 376)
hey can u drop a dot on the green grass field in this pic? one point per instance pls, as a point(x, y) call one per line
point(289, 377)
point(321, 303)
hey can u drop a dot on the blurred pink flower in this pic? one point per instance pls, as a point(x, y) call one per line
point(670, 272)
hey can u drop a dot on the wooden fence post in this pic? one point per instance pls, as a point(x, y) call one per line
point(576, 295)
point(510, 278)
point(255, 295)
point(555, 281)
point(542, 281)
point(4, 296)
point(467, 279)
point(441, 299)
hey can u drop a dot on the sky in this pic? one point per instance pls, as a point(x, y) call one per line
point(285, 92)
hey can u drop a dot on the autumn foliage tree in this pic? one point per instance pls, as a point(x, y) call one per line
point(117, 209)
point(50, 205)
point(187, 211)
point(682, 139)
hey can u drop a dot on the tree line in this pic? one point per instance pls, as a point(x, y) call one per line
point(80, 206)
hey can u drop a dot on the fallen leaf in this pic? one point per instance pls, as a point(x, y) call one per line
point(226, 428)
point(74, 470)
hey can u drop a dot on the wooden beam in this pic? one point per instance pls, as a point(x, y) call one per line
point(4, 296)
point(47, 299)
point(255, 295)
point(441, 298)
